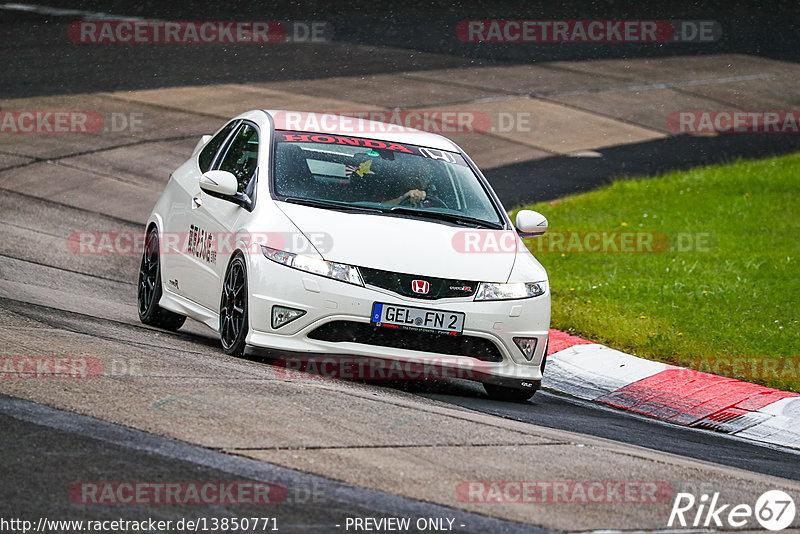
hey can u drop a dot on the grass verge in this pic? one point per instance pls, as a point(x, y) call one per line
point(710, 279)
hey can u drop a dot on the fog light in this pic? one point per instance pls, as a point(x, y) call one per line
point(527, 345)
point(282, 315)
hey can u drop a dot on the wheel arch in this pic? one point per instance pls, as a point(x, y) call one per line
point(243, 235)
point(156, 221)
point(238, 253)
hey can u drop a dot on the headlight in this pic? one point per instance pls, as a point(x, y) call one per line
point(519, 290)
point(328, 269)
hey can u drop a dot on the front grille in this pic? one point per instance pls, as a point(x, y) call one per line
point(355, 332)
point(401, 284)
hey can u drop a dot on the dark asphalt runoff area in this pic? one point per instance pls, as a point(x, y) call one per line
point(45, 452)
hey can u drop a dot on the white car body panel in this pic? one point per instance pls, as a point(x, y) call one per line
point(192, 285)
point(399, 244)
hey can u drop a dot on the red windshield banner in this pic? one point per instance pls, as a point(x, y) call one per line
point(369, 144)
point(343, 140)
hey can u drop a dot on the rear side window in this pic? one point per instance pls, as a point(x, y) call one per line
point(210, 150)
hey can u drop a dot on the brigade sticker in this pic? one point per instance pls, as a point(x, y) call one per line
point(201, 244)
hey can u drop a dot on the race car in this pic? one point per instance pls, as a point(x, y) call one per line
point(335, 237)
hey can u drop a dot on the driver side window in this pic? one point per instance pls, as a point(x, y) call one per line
point(241, 156)
point(206, 157)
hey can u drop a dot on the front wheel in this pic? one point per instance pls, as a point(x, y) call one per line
point(505, 393)
point(148, 291)
point(233, 324)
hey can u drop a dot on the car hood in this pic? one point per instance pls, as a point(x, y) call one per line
point(400, 244)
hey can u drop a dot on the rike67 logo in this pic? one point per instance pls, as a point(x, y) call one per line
point(774, 510)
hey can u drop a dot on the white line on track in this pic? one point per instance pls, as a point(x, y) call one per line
point(666, 85)
point(61, 12)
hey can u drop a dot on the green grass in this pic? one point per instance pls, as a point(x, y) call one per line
point(730, 307)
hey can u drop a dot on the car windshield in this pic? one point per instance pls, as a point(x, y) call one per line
point(357, 173)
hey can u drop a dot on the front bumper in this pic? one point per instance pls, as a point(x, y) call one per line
point(325, 300)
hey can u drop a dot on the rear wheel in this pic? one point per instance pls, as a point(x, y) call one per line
point(505, 393)
point(233, 324)
point(148, 291)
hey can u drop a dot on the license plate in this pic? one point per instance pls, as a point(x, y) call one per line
point(420, 319)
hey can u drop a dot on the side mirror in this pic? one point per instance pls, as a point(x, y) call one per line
point(201, 143)
point(530, 223)
point(220, 182)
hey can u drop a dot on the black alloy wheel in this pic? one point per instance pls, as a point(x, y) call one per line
point(233, 324)
point(148, 290)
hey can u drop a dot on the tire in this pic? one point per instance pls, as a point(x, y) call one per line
point(148, 290)
point(504, 393)
point(233, 321)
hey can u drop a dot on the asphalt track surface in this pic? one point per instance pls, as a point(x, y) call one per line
point(65, 447)
point(54, 303)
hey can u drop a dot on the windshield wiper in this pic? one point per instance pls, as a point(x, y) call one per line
point(329, 204)
point(449, 217)
point(426, 214)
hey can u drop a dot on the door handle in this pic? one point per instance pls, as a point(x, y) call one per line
point(196, 202)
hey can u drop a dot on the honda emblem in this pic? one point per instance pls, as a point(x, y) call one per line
point(420, 286)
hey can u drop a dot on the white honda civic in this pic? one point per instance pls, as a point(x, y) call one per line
point(322, 236)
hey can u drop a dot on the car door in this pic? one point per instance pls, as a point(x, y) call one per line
point(184, 187)
point(215, 218)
